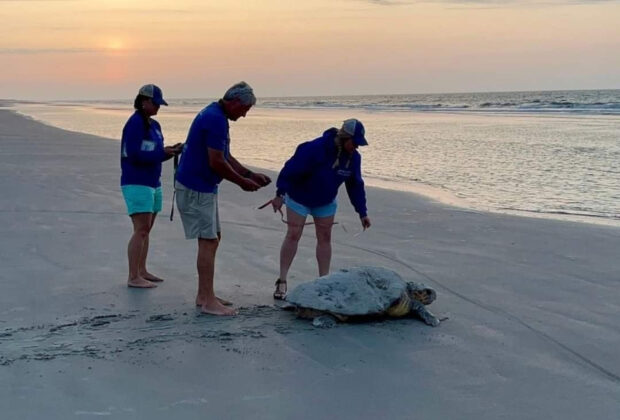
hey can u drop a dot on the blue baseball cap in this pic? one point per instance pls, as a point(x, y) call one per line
point(153, 92)
point(355, 129)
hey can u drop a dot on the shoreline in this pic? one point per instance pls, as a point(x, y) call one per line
point(434, 193)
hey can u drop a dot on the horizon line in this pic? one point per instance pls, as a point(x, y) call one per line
point(318, 96)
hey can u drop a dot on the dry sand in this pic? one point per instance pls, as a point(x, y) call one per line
point(533, 307)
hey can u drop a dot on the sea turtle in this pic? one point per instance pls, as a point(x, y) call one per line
point(359, 293)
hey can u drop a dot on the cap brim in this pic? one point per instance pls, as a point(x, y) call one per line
point(361, 141)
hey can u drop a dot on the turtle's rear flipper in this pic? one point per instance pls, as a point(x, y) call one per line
point(420, 310)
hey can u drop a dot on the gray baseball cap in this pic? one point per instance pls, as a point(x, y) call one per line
point(355, 129)
point(153, 92)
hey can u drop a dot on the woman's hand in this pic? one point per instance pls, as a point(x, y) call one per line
point(170, 151)
point(276, 203)
point(365, 222)
point(174, 150)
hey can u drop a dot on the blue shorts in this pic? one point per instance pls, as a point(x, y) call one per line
point(322, 211)
point(142, 199)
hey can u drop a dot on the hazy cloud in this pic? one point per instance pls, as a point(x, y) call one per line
point(33, 51)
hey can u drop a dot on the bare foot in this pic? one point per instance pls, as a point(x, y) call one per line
point(216, 308)
point(224, 301)
point(151, 277)
point(199, 301)
point(140, 283)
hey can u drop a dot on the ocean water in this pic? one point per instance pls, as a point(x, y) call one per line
point(554, 154)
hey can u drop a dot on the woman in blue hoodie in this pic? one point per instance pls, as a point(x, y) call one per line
point(308, 184)
point(142, 152)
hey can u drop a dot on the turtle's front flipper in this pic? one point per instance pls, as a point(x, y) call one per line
point(420, 310)
point(286, 306)
point(324, 321)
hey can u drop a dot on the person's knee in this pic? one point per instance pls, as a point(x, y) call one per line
point(323, 231)
point(142, 224)
point(141, 232)
point(208, 244)
point(324, 237)
point(294, 233)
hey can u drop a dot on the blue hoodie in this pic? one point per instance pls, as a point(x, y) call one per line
point(310, 179)
point(142, 152)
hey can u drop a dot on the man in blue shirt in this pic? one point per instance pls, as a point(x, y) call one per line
point(308, 184)
point(205, 162)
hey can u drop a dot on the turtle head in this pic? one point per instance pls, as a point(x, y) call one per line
point(421, 293)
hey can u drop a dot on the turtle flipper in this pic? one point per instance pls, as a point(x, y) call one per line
point(287, 306)
point(420, 310)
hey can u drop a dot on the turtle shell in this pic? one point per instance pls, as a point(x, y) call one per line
point(354, 291)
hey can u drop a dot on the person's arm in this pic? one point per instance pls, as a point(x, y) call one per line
point(219, 164)
point(259, 178)
point(299, 164)
point(138, 148)
point(172, 151)
point(169, 151)
point(215, 135)
point(357, 194)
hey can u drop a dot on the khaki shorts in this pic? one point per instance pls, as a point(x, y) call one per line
point(199, 213)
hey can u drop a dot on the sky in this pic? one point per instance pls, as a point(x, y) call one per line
point(106, 49)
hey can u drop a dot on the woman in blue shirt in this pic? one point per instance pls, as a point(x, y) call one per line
point(308, 184)
point(142, 152)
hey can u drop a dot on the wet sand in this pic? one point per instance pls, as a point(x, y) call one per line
point(533, 306)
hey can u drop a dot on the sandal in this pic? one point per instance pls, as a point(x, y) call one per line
point(279, 294)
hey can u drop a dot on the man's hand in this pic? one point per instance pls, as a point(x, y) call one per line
point(276, 203)
point(365, 222)
point(248, 185)
point(261, 179)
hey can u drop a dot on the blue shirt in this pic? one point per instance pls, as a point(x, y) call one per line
point(309, 176)
point(142, 152)
point(209, 130)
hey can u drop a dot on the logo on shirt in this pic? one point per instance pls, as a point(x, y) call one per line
point(147, 145)
point(343, 172)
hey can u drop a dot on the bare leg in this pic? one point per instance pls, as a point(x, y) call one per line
point(323, 226)
point(200, 299)
point(288, 250)
point(145, 250)
point(141, 227)
point(206, 271)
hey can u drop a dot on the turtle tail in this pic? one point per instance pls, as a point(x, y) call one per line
point(401, 307)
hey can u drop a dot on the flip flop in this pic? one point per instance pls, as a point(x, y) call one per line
point(278, 294)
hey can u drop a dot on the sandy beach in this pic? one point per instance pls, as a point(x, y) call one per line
point(532, 306)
